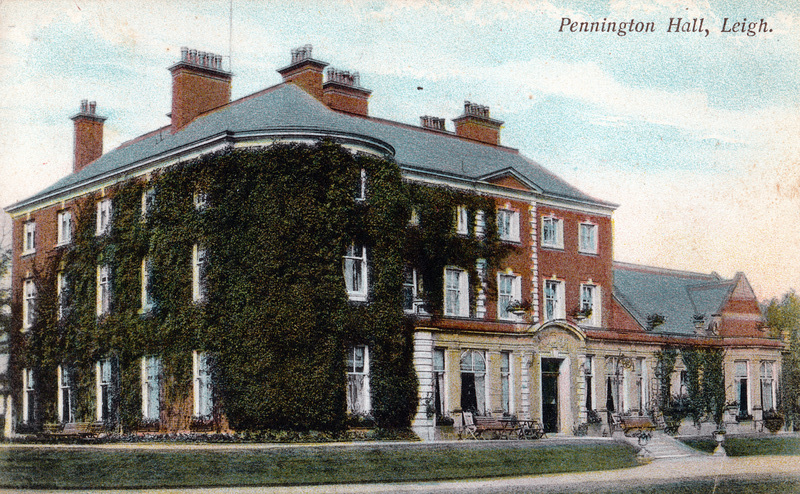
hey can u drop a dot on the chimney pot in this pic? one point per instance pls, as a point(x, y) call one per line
point(184, 53)
point(432, 123)
point(92, 107)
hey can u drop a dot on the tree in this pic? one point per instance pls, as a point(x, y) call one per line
point(783, 318)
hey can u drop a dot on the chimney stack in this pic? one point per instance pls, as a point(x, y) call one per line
point(342, 91)
point(476, 124)
point(199, 84)
point(304, 71)
point(88, 143)
point(432, 123)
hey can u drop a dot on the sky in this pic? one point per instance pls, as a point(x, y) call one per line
point(695, 135)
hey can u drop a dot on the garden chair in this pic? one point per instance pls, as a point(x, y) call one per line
point(468, 425)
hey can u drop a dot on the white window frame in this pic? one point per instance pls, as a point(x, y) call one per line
point(589, 383)
point(103, 301)
point(619, 383)
point(587, 244)
point(439, 382)
point(480, 223)
point(462, 220)
point(148, 199)
point(638, 378)
point(146, 293)
point(28, 396)
point(358, 393)
point(202, 385)
point(30, 294)
point(62, 282)
point(354, 267)
point(29, 238)
point(508, 225)
point(104, 213)
point(506, 382)
point(151, 387)
point(594, 305)
point(200, 200)
point(65, 395)
point(456, 283)
point(199, 266)
point(467, 366)
point(555, 240)
point(767, 379)
point(411, 286)
point(103, 382)
point(64, 227)
point(505, 297)
point(554, 293)
point(737, 378)
point(413, 219)
point(361, 193)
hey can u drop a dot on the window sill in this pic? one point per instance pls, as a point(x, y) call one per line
point(588, 253)
point(352, 297)
point(64, 244)
point(457, 316)
point(553, 247)
point(511, 241)
point(25, 253)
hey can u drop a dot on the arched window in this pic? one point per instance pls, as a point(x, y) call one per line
point(473, 381)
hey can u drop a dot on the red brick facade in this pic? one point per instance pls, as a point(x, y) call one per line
point(573, 267)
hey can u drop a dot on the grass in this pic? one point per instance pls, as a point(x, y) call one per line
point(702, 486)
point(98, 468)
point(750, 446)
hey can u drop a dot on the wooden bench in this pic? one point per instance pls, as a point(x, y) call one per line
point(635, 425)
point(495, 426)
point(74, 429)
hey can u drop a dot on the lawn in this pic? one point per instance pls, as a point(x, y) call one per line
point(97, 468)
point(750, 446)
point(699, 486)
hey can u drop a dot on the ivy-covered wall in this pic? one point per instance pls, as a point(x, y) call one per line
point(276, 315)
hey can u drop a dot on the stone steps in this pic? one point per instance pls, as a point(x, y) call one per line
point(662, 445)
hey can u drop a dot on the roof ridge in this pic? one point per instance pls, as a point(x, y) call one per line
point(134, 140)
point(713, 276)
point(445, 133)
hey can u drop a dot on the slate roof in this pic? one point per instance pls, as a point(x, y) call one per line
point(676, 295)
point(286, 107)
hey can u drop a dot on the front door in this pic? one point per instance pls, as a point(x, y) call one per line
point(550, 368)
